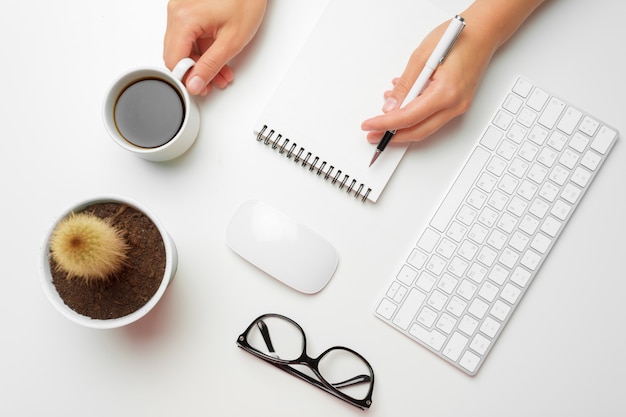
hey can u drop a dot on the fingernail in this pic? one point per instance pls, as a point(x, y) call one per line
point(390, 104)
point(195, 85)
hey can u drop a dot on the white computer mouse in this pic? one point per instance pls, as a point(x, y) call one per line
point(282, 247)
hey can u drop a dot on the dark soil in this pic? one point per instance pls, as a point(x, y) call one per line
point(132, 287)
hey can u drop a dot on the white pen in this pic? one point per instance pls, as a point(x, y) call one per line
point(440, 52)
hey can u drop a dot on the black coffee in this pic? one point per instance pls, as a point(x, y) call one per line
point(149, 113)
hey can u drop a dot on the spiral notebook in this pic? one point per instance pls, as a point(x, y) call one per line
point(336, 82)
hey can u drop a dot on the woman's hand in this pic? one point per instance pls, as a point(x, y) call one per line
point(211, 32)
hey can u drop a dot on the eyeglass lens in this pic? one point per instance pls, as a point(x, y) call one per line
point(278, 338)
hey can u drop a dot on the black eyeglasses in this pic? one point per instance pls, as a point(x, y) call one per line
point(339, 371)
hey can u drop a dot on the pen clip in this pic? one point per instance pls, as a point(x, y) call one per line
point(456, 36)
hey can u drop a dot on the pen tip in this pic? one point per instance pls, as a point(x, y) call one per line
point(376, 154)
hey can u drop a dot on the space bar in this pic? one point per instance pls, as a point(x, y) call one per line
point(459, 189)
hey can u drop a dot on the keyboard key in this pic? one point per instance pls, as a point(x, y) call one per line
point(581, 177)
point(456, 231)
point(466, 215)
point(480, 344)
point(527, 190)
point(428, 240)
point(457, 266)
point(490, 327)
point(568, 158)
point(603, 141)
point(427, 317)
point(508, 258)
point(537, 99)
point(561, 209)
point(589, 125)
point(491, 138)
point(467, 289)
point(516, 133)
point(446, 248)
point(500, 310)
point(476, 273)
point(551, 113)
point(541, 243)
point(530, 260)
point(549, 191)
point(547, 157)
point(498, 274)
point(447, 283)
point(386, 308)
point(506, 150)
point(539, 208)
point(417, 259)
point(446, 323)
point(529, 225)
point(578, 142)
point(551, 226)
point(559, 175)
point(502, 120)
point(520, 276)
point(407, 275)
point(526, 117)
point(437, 300)
point(571, 193)
point(557, 141)
point(478, 308)
point(510, 293)
point(469, 361)
point(467, 250)
point(537, 173)
point(456, 306)
point(591, 160)
point(409, 309)
point(528, 151)
point(456, 194)
point(512, 103)
point(436, 264)
point(433, 338)
point(468, 325)
point(538, 135)
point(570, 120)
point(522, 87)
point(455, 346)
point(426, 281)
point(488, 291)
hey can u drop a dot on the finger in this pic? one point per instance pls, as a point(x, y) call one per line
point(209, 65)
point(406, 116)
point(417, 132)
point(177, 44)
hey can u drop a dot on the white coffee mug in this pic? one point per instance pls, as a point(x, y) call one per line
point(179, 125)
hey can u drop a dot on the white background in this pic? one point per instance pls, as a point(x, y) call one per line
point(562, 353)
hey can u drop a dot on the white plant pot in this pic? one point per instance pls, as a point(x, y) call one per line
point(50, 290)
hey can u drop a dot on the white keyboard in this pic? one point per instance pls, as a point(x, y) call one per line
point(481, 249)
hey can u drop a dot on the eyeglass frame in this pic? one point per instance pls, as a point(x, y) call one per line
point(306, 360)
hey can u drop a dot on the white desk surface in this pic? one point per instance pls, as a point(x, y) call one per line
point(562, 353)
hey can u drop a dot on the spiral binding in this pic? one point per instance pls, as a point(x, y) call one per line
point(302, 156)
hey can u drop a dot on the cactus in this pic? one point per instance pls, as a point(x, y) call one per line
point(88, 247)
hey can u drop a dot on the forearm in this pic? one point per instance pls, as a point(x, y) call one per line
point(495, 21)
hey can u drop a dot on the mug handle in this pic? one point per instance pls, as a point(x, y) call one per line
point(182, 67)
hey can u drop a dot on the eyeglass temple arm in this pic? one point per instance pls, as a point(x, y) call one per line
point(266, 337)
point(358, 379)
